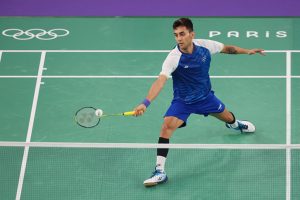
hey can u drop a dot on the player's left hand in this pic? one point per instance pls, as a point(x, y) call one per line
point(254, 51)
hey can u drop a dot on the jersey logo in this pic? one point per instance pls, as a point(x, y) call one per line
point(220, 107)
point(203, 59)
point(186, 66)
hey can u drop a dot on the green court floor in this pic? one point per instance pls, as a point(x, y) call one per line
point(254, 87)
point(57, 173)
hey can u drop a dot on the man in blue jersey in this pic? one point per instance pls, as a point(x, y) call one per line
point(188, 64)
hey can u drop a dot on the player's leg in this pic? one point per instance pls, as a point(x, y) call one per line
point(225, 116)
point(170, 124)
point(229, 118)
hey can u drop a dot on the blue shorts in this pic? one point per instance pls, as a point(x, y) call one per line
point(182, 111)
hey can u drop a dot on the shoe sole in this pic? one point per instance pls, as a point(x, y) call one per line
point(150, 184)
point(154, 184)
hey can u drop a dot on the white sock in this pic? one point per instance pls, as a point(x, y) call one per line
point(160, 163)
point(235, 124)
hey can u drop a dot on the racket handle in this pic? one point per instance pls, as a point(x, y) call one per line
point(130, 113)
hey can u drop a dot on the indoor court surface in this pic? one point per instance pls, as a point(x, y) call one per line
point(51, 67)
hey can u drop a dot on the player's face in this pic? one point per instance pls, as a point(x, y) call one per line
point(184, 38)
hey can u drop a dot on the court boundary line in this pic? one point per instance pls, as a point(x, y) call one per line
point(288, 123)
point(119, 51)
point(138, 76)
point(147, 145)
point(31, 123)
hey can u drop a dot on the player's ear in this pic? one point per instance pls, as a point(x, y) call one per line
point(192, 34)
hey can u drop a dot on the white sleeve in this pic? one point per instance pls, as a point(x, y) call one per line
point(213, 46)
point(170, 64)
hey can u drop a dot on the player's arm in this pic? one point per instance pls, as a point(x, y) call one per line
point(230, 49)
point(156, 87)
point(154, 91)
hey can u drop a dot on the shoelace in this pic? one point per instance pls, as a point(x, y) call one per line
point(156, 172)
point(242, 126)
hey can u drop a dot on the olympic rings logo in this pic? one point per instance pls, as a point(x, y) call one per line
point(40, 34)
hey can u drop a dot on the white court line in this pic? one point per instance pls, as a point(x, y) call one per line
point(30, 126)
point(157, 76)
point(288, 124)
point(90, 51)
point(288, 97)
point(18, 76)
point(0, 56)
point(148, 145)
point(136, 77)
point(120, 51)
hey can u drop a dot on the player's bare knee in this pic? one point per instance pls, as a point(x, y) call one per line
point(166, 130)
point(166, 127)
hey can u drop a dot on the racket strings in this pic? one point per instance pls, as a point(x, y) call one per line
point(86, 117)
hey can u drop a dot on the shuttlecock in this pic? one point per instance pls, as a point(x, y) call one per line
point(99, 112)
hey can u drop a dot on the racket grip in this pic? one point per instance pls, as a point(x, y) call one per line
point(130, 113)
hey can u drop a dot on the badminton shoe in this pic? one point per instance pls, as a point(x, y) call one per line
point(243, 126)
point(157, 177)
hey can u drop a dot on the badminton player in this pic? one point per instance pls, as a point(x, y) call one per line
point(188, 64)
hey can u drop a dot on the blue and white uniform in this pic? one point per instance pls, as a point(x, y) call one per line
point(191, 81)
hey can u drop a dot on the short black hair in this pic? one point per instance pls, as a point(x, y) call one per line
point(183, 22)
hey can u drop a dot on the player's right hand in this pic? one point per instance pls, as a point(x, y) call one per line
point(139, 110)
